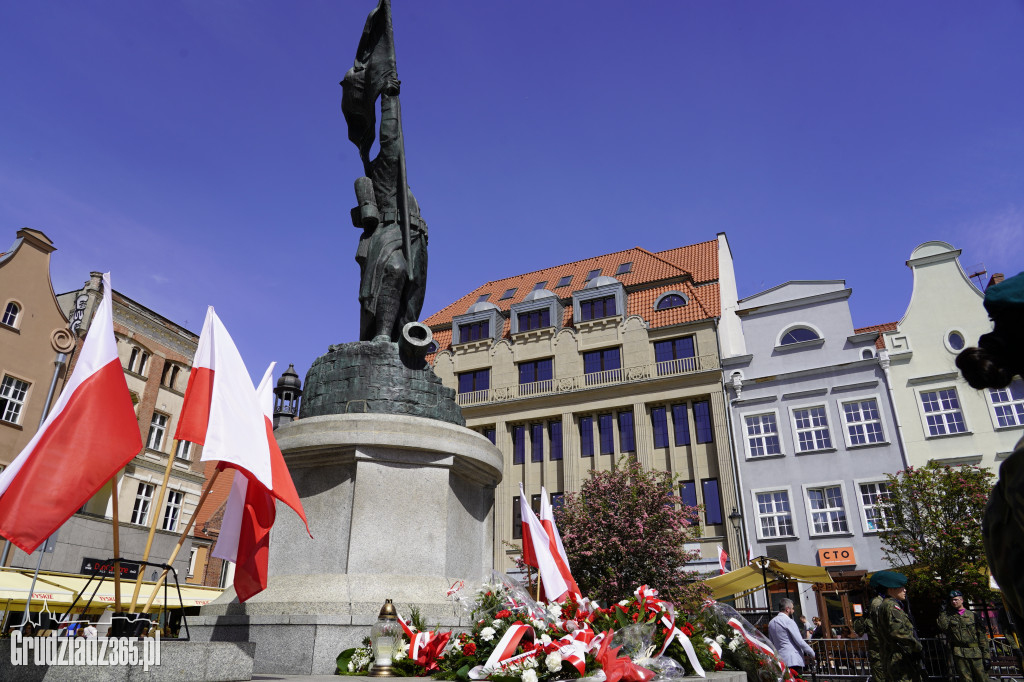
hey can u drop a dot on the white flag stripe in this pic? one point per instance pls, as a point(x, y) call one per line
point(552, 581)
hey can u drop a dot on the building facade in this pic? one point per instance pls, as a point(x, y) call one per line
point(815, 433)
point(569, 368)
point(33, 331)
point(942, 417)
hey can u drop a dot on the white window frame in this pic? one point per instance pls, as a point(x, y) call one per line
point(992, 406)
point(919, 393)
point(13, 324)
point(746, 436)
point(807, 488)
point(192, 561)
point(172, 510)
point(184, 451)
point(847, 438)
point(758, 515)
point(800, 344)
point(8, 384)
point(857, 483)
point(157, 428)
point(796, 431)
point(144, 495)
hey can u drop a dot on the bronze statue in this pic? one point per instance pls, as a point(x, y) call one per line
point(392, 252)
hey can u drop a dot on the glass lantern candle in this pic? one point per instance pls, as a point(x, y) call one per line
point(385, 639)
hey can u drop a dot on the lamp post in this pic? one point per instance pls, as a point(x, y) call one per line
point(763, 562)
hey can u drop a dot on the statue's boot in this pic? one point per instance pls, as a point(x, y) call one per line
point(387, 308)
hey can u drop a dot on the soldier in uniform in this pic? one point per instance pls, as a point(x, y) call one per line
point(898, 648)
point(866, 625)
point(966, 636)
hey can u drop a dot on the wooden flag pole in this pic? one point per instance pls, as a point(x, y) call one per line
point(153, 523)
point(181, 539)
point(538, 582)
point(117, 546)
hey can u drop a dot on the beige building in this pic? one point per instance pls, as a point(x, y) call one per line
point(33, 330)
point(568, 368)
point(940, 416)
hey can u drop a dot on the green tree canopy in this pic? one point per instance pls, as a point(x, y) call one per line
point(933, 519)
point(624, 529)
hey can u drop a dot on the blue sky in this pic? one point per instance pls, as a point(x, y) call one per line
point(197, 150)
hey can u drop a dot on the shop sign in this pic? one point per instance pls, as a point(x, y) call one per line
point(104, 568)
point(837, 556)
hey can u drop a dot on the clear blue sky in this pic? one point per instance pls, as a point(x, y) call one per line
point(197, 150)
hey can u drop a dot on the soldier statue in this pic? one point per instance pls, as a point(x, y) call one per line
point(392, 252)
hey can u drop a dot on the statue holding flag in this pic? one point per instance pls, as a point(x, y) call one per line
point(392, 252)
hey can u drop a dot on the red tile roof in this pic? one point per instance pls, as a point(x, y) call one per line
point(880, 328)
point(683, 269)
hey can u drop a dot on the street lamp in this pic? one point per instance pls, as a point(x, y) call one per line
point(736, 519)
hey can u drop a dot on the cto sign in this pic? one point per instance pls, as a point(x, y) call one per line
point(837, 556)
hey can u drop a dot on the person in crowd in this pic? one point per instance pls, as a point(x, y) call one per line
point(967, 637)
point(865, 626)
point(805, 628)
point(993, 364)
point(899, 649)
point(783, 632)
point(819, 629)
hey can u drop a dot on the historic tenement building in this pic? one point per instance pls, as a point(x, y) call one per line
point(569, 368)
point(815, 434)
point(942, 418)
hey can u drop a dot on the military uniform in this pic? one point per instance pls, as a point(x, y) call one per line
point(867, 625)
point(968, 640)
point(900, 650)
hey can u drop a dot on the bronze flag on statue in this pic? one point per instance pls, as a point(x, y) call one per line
point(374, 67)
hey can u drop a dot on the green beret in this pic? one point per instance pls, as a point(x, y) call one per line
point(956, 593)
point(1005, 297)
point(887, 579)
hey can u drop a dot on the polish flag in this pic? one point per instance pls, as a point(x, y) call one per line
point(91, 433)
point(547, 519)
point(553, 585)
point(220, 403)
point(722, 558)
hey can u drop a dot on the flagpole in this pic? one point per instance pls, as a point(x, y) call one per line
point(181, 539)
point(155, 520)
point(117, 545)
point(538, 582)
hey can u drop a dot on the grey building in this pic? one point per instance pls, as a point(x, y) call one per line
point(814, 435)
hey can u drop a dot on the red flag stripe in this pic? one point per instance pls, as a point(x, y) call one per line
point(195, 413)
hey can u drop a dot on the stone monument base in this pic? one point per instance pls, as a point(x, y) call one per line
point(400, 507)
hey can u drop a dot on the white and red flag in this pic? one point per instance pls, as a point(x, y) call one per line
point(91, 433)
point(232, 421)
point(547, 519)
point(722, 559)
point(537, 546)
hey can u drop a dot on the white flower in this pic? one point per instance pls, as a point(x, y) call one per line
point(496, 624)
point(734, 644)
point(487, 634)
point(555, 610)
point(350, 668)
point(720, 639)
point(530, 662)
point(539, 625)
point(553, 662)
point(457, 645)
point(529, 675)
point(545, 639)
point(623, 602)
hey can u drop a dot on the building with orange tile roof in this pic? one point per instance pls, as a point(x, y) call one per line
point(570, 367)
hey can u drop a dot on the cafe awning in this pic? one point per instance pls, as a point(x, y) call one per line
point(61, 588)
point(15, 586)
point(752, 577)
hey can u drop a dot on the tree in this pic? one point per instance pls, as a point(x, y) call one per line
point(933, 530)
point(625, 529)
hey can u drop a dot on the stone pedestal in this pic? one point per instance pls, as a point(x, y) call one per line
point(401, 507)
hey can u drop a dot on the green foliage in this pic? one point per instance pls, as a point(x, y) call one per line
point(625, 528)
point(934, 528)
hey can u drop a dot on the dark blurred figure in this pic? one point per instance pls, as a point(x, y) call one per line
point(998, 358)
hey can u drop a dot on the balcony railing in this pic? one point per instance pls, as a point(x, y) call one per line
point(580, 382)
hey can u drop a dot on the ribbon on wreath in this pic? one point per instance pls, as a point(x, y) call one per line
point(684, 641)
point(573, 647)
point(424, 647)
point(752, 641)
point(503, 655)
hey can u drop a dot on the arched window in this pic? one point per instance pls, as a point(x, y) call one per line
point(11, 314)
point(797, 335)
point(670, 300)
point(867, 354)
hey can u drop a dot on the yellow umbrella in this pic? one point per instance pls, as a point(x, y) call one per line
point(759, 572)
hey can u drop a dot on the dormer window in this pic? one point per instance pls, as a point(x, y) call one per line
point(672, 299)
point(596, 308)
point(11, 313)
point(535, 319)
point(474, 331)
point(798, 335)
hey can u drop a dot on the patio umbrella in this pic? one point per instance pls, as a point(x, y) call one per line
point(759, 573)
